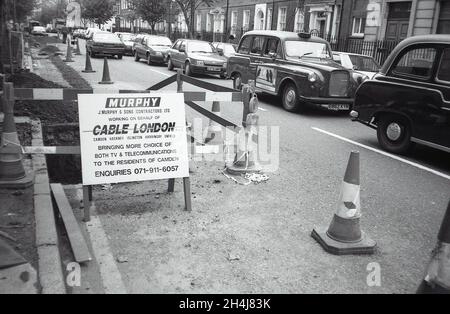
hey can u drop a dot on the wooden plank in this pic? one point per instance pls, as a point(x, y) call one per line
point(77, 242)
point(53, 150)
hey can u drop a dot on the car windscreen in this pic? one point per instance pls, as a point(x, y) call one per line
point(127, 37)
point(306, 49)
point(160, 41)
point(229, 49)
point(363, 63)
point(200, 47)
point(106, 37)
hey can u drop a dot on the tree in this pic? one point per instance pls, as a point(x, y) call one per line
point(151, 11)
point(188, 8)
point(97, 11)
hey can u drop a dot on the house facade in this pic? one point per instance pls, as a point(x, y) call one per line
point(394, 20)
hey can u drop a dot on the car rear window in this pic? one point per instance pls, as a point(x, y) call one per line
point(444, 67)
point(257, 46)
point(416, 62)
point(245, 45)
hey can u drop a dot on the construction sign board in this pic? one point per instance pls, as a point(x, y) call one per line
point(132, 137)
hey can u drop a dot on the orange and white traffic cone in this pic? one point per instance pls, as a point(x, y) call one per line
point(246, 156)
point(106, 77)
point(437, 278)
point(69, 53)
point(215, 132)
point(344, 236)
point(88, 66)
point(12, 171)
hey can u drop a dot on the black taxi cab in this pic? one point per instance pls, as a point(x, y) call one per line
point(408, 101)
point(297, 67)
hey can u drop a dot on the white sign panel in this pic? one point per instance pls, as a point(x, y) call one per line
point(132, 137)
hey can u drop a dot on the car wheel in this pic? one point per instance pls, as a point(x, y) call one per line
point(237, 81)
point(394, 134)
point(149, 59)
point(120, 57)
point(187, 69)
point(136, 56)
point(290, 99)
point(170, 64)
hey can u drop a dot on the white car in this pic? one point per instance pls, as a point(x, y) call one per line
point(39, 31)
point(360, 63)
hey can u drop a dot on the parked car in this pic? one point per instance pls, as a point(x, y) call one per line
point(360, 63)
point(152, 48)
point(91, 31)
point(297, 67)
point(78, 33)
point(409, 100)
point(105, 43)
point(196, 57)
point(39, 31)
point(128, 40)
point(137, 40)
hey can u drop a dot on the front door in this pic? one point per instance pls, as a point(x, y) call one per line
point(398, 21)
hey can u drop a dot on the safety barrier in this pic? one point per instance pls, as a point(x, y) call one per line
point(214, 93)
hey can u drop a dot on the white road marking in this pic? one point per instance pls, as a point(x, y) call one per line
point(263, 110)
point(411, 163)
point(111, 277)
point(162, 73)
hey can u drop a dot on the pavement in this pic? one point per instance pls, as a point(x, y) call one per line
point(256, 238)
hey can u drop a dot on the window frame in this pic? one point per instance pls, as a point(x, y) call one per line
point(244, 14)
point(264, 38)
point(250, 46)
point(280, 9)
point(358, 34)
point(438, 66)
point(406, 50)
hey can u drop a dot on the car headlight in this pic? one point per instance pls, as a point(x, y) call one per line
point(313, 77)
point(200, 63)
point(225, 65)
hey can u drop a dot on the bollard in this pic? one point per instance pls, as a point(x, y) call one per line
point(437, 278)
point(77, 49)
point(246, 157)
point(12, 171)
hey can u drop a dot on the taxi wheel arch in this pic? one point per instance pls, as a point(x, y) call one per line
point(394, 132)
point(286, 91)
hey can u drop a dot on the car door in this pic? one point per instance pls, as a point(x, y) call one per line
point(266, 63)
point(443, 79)
point(182, 53)
point(141, 46)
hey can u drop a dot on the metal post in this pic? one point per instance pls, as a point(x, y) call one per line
point(87, 197)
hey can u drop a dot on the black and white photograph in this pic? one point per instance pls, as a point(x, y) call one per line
point(224, 155)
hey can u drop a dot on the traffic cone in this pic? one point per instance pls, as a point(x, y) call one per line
point(88, 67)
point(68, 53)
point(437, 278)
point(215, 133)
point(245, 160)
point(106, 77)
point(12, 171)
point(77, 49)
point(344, 236)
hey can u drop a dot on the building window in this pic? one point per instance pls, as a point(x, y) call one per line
point(234, 22)
point(269, 18)
point(358, 28)
point(199, 22)
point(209, 22)
point(282, 13)
point(444, 18)
point(246, 20)
point(299, 20)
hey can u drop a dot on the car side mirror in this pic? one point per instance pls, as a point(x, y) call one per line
point(220, 51)
point(182, 50)
point(273, 55)
point(355, 67)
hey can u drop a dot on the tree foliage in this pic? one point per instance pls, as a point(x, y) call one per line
point(151, 11)
point(97, 11)
point(188, 8)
